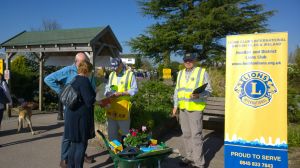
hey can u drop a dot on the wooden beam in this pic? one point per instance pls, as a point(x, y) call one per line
point(98, 51)
point(105, 45)
point(60, 49)
point(41, 61)
point(112, 52)
point(7, 67)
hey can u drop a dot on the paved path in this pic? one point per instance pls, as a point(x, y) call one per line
point(24, 150)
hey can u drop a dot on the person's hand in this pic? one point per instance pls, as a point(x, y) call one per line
point(195, 96)
point(174, 112)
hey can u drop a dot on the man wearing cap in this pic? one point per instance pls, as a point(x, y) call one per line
point(121, 86)
point(191, 107)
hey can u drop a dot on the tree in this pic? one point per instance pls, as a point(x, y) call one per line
point(297, 56)
point(47, 25)
point(146, 65)
point(196, 26)
point(24, 79)
point(138, 62)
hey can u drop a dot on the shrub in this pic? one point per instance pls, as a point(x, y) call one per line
point(293, 94)
point(99, 114)
point(152, 105)
point(50, 98)
point(217, 81)
point(24, 79)
point(294, 135)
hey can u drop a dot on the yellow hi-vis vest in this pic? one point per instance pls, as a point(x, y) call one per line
point(120, 107)
point(186, 88)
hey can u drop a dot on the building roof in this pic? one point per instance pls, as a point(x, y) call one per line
point(63, 36)
point(69, 36)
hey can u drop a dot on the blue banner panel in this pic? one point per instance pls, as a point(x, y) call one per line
point(251, 156)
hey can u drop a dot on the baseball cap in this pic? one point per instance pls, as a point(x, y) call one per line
point(189, 56)
point(115, 62)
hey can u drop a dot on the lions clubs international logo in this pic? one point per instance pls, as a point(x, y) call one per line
point(255, 88)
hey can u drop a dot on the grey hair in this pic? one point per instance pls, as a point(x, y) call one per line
point(86, 57)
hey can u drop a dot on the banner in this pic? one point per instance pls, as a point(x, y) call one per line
point(256, 101)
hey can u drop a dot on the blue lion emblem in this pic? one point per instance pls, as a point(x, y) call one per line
point(255, 88)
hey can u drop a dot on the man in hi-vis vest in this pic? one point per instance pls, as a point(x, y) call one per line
point(120, 87)
point(191, 107)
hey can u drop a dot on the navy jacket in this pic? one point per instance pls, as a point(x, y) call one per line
point(80, 124)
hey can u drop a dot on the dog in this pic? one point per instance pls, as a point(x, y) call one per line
point(25, 113)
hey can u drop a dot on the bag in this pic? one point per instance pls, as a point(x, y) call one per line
point(70, 97)
point(3, 97)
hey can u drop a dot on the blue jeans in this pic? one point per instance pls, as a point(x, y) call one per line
point(65, 143)
point(65, 147)
point(76, 154)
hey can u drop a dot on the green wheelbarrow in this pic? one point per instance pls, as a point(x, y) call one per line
point(151, 159)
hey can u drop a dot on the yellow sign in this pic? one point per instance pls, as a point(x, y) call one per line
point(1, 66)
point(256, 100)
point(167, 73)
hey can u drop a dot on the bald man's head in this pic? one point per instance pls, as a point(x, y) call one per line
point(80, 57)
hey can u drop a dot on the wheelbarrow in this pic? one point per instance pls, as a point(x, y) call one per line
point(151, 159)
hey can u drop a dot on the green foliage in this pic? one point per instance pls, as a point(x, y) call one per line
point(152, 105)
point(293, 107)
point(24, 78)
point(135, 138)
point(217, 80)
point(50, 98)
point(147, 65)
point(183, 25)
point(25, 81)
point(293, 94)
point(297, 57)
point(99, 114)
point(160, 71)
point(174, 66)
point(138, 62)
point(293, 135)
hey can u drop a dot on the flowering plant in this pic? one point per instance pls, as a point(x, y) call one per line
point(137, 137)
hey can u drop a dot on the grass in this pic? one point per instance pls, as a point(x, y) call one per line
point(294, 135)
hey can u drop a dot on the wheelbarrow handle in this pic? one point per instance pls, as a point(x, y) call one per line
point(100, 133)
point(104, 139)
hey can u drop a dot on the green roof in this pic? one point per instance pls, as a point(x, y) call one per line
point(64, 36)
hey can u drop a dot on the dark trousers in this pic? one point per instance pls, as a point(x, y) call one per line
point(65, 143)
point(65, 147)
point(1, 115)
point(76, 154)
point(60, 108)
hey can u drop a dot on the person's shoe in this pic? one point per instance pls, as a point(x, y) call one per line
point(63, 164)
point(60, 117)
point(185, 162)
point(88, 159)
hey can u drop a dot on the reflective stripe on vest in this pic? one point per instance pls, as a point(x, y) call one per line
point(186, 87)
point(120, 106)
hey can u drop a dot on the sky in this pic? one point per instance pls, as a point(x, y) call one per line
point(124, 17)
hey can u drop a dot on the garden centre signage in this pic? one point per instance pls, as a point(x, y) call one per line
point(256, 101)
point(1, 66)
point(167, 73)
